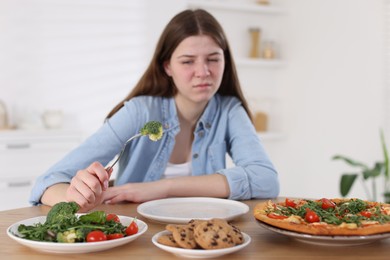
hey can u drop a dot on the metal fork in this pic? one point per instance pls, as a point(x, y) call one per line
point(108, 169)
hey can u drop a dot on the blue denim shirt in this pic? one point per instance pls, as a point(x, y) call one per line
point(224, 127)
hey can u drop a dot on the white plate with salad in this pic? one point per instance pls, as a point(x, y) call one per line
point(74, 248)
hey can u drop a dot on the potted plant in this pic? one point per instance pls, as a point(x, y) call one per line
point(366, 173)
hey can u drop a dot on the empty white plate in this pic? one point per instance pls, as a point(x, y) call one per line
point(182, 210)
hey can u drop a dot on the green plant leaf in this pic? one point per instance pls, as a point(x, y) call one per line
point(350, 161)
point(346, 183)
point(385, 155)
point(387, 196)
point(374, 172)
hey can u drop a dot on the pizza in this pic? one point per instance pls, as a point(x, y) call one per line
point(326, 217)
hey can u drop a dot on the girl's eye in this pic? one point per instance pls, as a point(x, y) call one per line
point(187, 62)
point(213, 60)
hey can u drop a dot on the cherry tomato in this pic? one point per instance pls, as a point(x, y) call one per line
point(366, 214)
point(276, 216)
point(96, 236)
point(115, 236)
point(132, 228)
point(114, 217)
point(326, 204)
point(311, 216)
point(290, 203)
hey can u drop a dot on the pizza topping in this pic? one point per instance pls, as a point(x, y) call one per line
point(348, 225)
point(326, 203)
point(369, 223)
point(276, 216)
point(290, 203)
point(319, 224)
point(352, 206)
point(270, 205)
point(366, 213)
point(311, 216)
point(295, 219)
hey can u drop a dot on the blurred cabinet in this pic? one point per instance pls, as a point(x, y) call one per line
point(26, 154)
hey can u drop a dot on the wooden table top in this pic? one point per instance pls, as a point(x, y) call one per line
point(265, 244)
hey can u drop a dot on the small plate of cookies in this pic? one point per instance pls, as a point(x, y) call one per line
point(201, 238)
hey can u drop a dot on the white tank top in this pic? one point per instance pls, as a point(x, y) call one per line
point(177, 170)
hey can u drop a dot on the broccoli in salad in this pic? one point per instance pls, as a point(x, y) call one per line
point(63, 213)
point(71, 236)
point(153, 129)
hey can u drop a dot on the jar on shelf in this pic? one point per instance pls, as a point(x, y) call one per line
point(269, 50)
point(262, 112)
point(261, 121)
point(3, 116)
point(255, 42)
point(263, 2)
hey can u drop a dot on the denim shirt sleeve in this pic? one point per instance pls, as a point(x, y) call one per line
point(102, 146)
point(253, 175)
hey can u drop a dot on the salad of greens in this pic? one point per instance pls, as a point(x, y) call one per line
point(63, 225)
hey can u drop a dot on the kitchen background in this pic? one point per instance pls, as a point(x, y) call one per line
point(321, 79)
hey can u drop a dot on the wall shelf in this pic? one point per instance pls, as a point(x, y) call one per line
point(262, 63)
point(230, 6)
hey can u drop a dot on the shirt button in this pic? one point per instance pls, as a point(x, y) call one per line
point(208, 125)
point(195, 155)
point(201, 134)
point(166, 126)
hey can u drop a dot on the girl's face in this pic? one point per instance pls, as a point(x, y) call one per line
point(196, 67)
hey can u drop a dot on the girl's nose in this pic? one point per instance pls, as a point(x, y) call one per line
point(202, 70)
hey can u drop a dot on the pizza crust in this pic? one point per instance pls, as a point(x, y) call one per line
point(318, 228)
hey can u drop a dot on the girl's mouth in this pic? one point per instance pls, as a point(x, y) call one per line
point(203, 85)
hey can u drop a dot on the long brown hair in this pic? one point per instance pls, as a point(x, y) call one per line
point(155, 82)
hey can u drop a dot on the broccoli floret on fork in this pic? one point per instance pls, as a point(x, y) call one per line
point(153, 130)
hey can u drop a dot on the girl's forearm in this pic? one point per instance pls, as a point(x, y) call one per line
point(55, 194)
point(213, 185)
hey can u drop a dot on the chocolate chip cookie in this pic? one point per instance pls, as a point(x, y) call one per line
point(183, 235)
point(167, 240)
point(216, 234)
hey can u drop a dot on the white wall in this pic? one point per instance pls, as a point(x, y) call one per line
point(78, 56)
point(330, 93)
